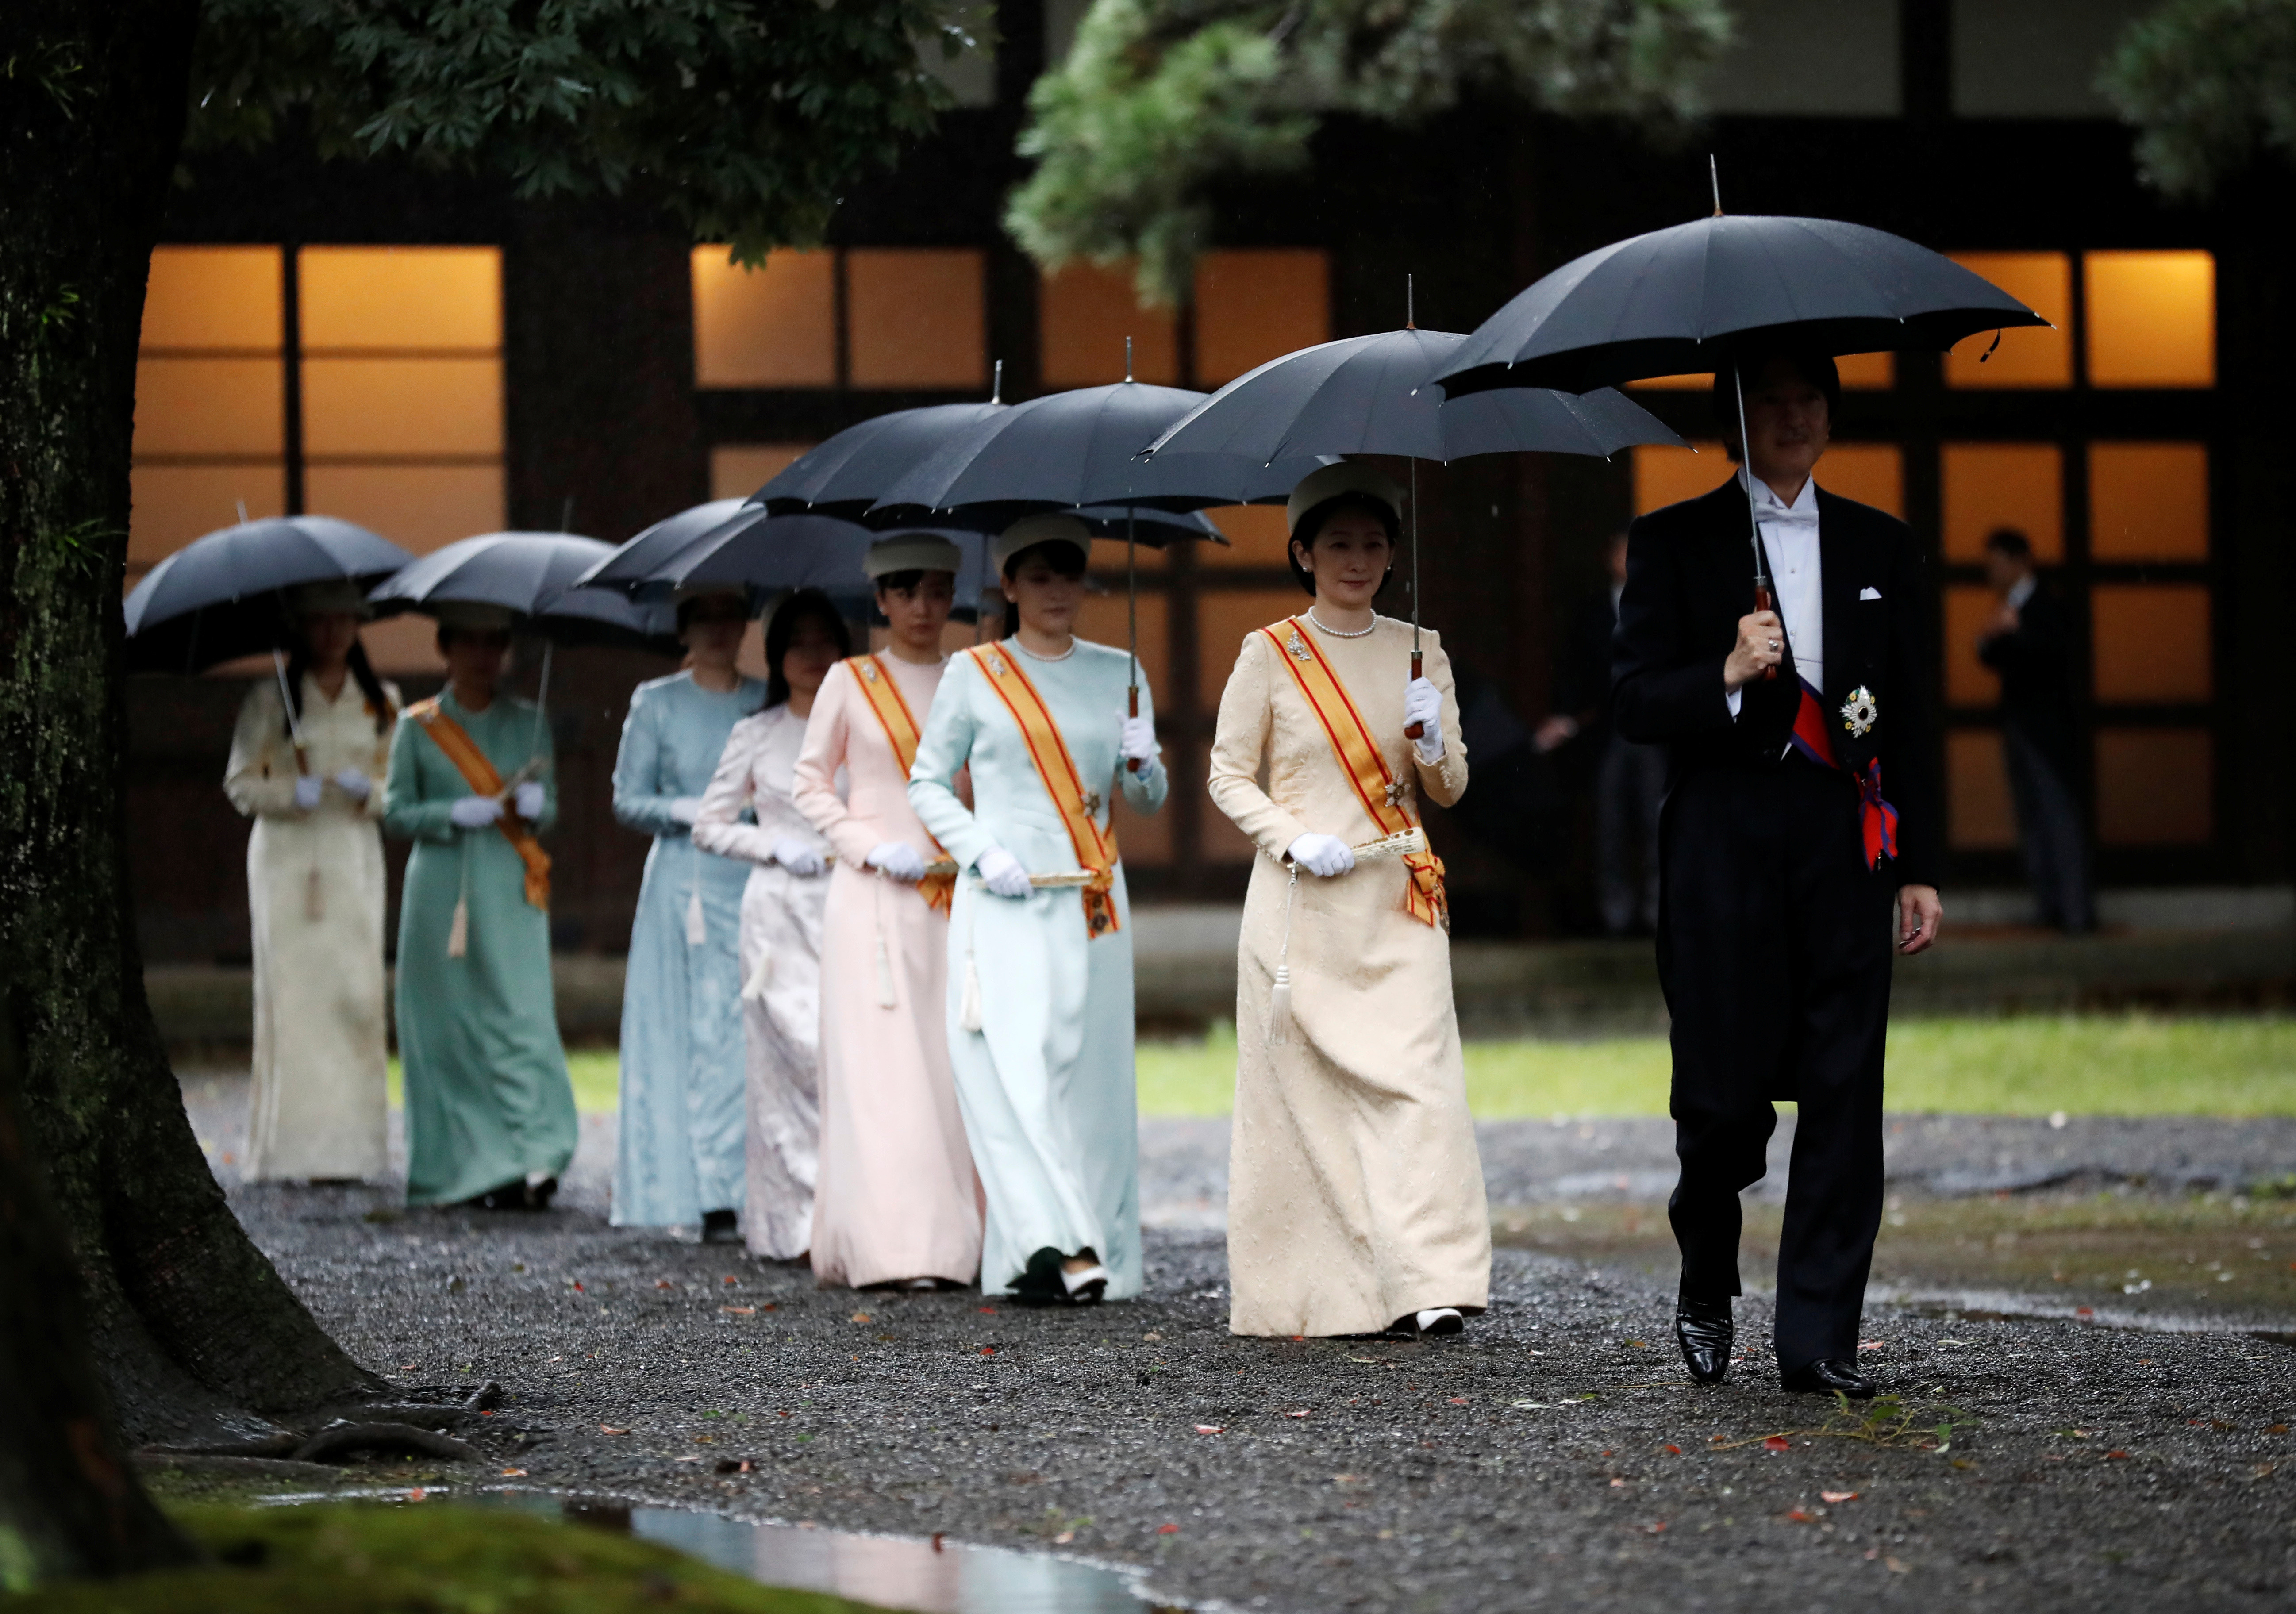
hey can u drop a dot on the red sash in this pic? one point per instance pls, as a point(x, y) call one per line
point(1877, 820)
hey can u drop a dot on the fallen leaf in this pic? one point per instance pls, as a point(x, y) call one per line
point(1839, 1495)
point(1167, 1529)
point(861, 1316)
point(1347, 1480)
point(730, 1278)
point(1777, 1443)
point(1869, 1345)
point(1797, 1516)
point(938, 1537)
point(577, 1288)
point(696, 1457)
point(1064, 1538)
point(1459, 1401)
point(417, 1494)
point(988, 1310)
point(2084, 1311)
point(513, 1473)
point(1211, 1429)
point(1673, 1450)
point(1656, 1527)
point(739, 1311)
point(1893, 1566)
point(987, 1350)
point(664, 1284)
point(1617, 1485)
point(608, 1429)
point(2115, 1453)
point(1300, 1413)
point(407, 1368)
point(2275, 1429)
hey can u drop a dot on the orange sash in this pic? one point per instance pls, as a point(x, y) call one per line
point(480, 774)
point(1096, 848)
point(1386, 800)
point(901, 732)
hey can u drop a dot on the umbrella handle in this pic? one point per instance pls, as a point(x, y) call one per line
point(1413, 731)
point(1763, 602)
point(1132, 764)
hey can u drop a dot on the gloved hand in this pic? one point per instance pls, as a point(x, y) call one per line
point(898, 859)
point(1139, 742)
point(1324, 855)
point(800, 857)
point(528, 800)
point(685, 810)
point(307, 792)
point(474, 812)
point(1002, 872)
point(1423, 703)
point(353, 784)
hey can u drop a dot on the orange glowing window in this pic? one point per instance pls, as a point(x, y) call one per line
point(2148, 501)
point(770, 326)
point(2154, 787)
point(1980, 815)
point(1860, 372)
point(174, 504)
point(1989, 486)
point(207, 299)
point(1084, 312)
point(917, 317)
point(422, 506)
point(1667, 476)
point(2027, 356)
point(401, 299)
point(2151, 318)
point(738, 469)
point(1871, 473)
point(1969, 611)
point(1101, 620)
point(209, 408)
point(1259, 304)
point(2151, 642)
point(1224, 617)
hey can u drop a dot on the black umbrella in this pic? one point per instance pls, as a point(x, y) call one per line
point(532, 574)
point(774, 554)
point(219, 597)
point(852, 469)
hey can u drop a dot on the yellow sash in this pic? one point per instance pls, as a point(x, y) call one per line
point(1096, 848)
point(1387, 800)
point(901, 732)
point(480, 774)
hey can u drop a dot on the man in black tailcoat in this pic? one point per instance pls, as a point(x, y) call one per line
point(2029, 644)
point(1799, 848)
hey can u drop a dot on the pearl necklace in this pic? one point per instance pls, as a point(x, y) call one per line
point(1033, 655)
point(1359, 633)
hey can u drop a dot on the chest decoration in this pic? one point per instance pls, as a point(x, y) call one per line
point(1298, 647)
point(1399, 794)
point(1859, 713)
point(994, 662)
point(868, 665)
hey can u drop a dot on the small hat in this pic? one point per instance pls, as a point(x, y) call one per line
point(1348, 476)
point(337, 593)
point(474, 615)
point(911, 551)
point(1030, 531)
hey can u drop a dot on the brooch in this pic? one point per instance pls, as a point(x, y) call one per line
point(1399, 793)
point(996, 663)
point(1298, 647)
point(869, 669)
point(1858, 713)
point(1092, 803)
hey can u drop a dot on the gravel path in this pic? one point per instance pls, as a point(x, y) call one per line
point(1553, 1456)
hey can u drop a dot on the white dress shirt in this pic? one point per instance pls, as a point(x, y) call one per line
point(1789, 540)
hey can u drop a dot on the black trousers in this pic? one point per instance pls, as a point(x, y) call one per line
point(2049, 825)
point(1774, 947)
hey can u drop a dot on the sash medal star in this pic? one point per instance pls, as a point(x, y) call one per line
point(1859, 713)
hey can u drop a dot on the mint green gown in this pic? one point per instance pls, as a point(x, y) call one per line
point(488, 1097)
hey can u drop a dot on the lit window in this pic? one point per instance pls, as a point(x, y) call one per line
point(917, 318)
point(1692, 381)
point(1969, 610)
point(2148, 501)
point(208, 298)
point(1084, 313)
point(2028, 356)
point(1871, 473)
point(1859, 371)
point(2151, 642)
point(2151, 318)
point(2154, 787)
point(775, 326)
point(1980, 815)
point(738, 469)
point(1667, 476)
point(1259, 304)
point(1989, 486)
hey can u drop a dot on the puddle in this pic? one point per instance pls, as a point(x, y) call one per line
point(1997, 1305)
point(891, 1571)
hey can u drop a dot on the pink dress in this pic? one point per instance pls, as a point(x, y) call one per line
point(896, 1197)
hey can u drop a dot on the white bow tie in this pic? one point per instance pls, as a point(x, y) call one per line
point(1771, 513)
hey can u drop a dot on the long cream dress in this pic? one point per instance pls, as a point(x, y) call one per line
point(1354, 1192)
point(318, 1104)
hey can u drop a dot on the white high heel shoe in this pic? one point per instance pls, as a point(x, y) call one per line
point(1434, 1323)
point(1085, 1288)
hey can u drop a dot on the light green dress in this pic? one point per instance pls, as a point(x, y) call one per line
point(488, 1098)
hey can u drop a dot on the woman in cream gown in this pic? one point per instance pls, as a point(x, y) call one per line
point(1354, 1192)
point(315, 897)
point(897, 1202)
point(781, 924)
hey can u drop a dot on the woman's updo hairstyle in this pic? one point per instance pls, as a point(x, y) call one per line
point(1348, 487)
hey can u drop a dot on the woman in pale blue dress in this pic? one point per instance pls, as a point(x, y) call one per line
point(682, 1066)
point(1040, 998)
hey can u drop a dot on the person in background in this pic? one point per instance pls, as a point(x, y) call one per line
point(680, 1156)
point(1629, 780)
point(490, 1117)
point(897, 1202)
point(2028, 643)
point(317, 1108)
point(781, 924)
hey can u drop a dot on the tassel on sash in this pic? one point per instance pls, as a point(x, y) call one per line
point(697, 922)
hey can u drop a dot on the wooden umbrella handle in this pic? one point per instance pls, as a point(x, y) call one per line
point(1132, 764)
point(1763, 602)
point(1413, 731)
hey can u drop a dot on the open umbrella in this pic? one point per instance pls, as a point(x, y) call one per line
point(754, 550)
point(219, 597)
point(851, 469)
point(532, 574)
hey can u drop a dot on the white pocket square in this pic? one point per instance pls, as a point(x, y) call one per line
point(1869, 594)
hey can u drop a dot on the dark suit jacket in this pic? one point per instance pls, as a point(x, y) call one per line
point(2035, 667)
point(1690, 577)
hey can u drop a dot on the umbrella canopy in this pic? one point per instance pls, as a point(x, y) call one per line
point(774, 554)
point(1681, 299)
point(852, 469)
point(1372, 395)
point(533, 574)
point(219, 596)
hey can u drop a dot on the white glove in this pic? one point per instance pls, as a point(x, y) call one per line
point(898, 859)
point(1324, 855)
point(1423, 703)
point(1139, 742)
point(353, 784)
point(1002, 872)
point(474, 812)
point(685, 809)
point(528, 800)
point(307, 792)
point(797, 857)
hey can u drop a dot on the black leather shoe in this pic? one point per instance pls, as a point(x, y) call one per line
point(721, 1227)
point(1829, 1378)
point(1039, 1282)
point(1706, 1333)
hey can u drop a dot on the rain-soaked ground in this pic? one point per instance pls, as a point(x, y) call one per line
point(1554, 1455)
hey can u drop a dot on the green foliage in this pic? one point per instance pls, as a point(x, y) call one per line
point(747, 119)
point(2210, 84)
point(1161, 98)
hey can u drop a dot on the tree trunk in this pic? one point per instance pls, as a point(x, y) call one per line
point(192, 1327)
